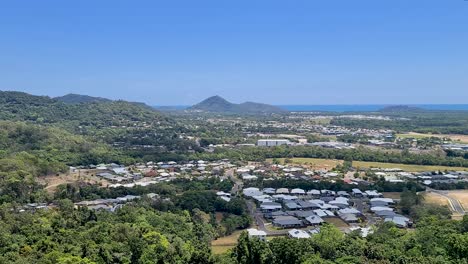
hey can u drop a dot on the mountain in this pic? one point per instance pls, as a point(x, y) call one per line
point(78, 98)
point(19, 106)
point(217, 104)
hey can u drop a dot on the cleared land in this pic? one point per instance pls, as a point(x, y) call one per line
point(329, 164)
point(453, 137)
point(314, 163)
point(434, 198)
point(223, 244)
point(51, 182)
point(337, 222)
point(392, 195)
point(406, 167)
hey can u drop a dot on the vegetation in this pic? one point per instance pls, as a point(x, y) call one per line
point(220, 105)
point(422, 121)
point(357, 154)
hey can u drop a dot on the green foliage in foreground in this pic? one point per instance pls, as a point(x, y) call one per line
point(139, 234)
point(131, 235)
point(433, 241)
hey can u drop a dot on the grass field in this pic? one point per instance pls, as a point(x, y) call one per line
point(336, 222)
point(392, 195)
point(453, 137)
point(406, 167)
point(461, 195)
point(223, 244)
point(328, 164)
point(315, 163)
point(434, 198)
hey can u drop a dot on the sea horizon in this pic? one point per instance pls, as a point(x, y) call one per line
point(343, 107)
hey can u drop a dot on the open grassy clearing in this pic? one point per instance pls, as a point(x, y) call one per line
point(329, 164)
point(336, 222)
point(434, 198)
point(392, 195)
point(314, 163)
point(218, 250)
point(453, 137)
point(406, 167)
point(223, 244)
point(437, 199)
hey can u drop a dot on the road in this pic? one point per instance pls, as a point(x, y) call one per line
point(237, 182)
point(454, 203)
point(258, 216)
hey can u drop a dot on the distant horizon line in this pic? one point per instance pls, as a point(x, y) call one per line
point(356, 104)
point(284, 105)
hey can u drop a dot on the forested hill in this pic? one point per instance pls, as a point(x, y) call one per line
point(40, 136)
point(18, 106)
point(217, 104)
point(126, 125)
point(78, 98)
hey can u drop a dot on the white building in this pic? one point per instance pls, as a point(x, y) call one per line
point(295, 233)
point(272, 142)
point(252, 191)
point(257, 233)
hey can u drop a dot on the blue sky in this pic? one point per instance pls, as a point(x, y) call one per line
point(280, 52)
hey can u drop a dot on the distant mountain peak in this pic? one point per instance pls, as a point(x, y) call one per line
point(218, 104)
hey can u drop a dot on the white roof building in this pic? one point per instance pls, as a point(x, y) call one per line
point(252, 191)
point(249, 177)
point(314, 219)
point(295, 233)
point(297, 191)
point(380, 208)
point(257, 233)
point(313, 192)
point(385, 200)
point(282, 191)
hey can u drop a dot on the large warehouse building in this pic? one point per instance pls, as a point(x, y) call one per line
point(272, 142)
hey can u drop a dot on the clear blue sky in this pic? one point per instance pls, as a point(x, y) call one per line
point(280, 52)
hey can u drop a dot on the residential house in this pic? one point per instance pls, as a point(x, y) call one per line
point(254, 233)
point(295, 233)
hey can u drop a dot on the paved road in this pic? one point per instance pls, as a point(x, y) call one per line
point(237, 182)
point(454, 203)
point(258, 217)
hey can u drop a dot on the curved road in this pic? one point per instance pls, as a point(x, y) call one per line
point(454, 203)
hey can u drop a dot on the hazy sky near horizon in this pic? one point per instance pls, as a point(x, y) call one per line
point(270, 51)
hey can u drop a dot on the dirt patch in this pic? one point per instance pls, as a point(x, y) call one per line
point(219, 217)
point(51, 182)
